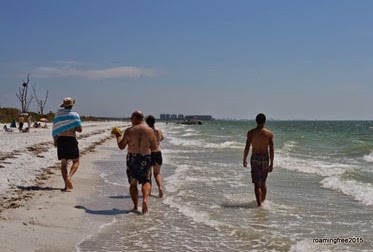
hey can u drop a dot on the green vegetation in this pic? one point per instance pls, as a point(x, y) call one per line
point(8, 114)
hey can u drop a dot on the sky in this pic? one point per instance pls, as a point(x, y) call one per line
point(291, 60)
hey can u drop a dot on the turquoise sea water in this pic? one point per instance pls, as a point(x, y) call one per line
point(320, 194)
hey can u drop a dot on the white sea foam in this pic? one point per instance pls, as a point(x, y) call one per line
point(369, 157)
point(360, 191)
point(332, 173)
point(105, 176)
point(202, 144)
point(88, 237)
point(317, 167)
point(189, 134)
point(193, 213)
point(308, 245)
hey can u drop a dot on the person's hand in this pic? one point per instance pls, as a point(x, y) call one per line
point(270, 168)
point(116, 131)
point(244, 163)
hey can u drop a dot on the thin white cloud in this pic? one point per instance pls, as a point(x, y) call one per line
point(108, 73)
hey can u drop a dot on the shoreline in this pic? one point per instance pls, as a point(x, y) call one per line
point(43, 218)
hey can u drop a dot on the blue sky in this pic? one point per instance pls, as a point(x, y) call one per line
point(231, 59)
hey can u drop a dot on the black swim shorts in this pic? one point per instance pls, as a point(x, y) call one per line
point(157, 158)
point(139, 168)
point(67, 148)
point(259, 168)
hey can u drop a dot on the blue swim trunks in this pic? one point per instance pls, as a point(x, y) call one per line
point(139, 168)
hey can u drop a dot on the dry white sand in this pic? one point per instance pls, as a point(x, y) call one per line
point(34, 214)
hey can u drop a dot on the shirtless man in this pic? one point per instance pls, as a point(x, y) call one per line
point(261, 140)
point(141, 141)
point(67, 148)
point(157, 154)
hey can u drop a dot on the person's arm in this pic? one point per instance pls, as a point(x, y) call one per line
point(153, 143)
point(122, 143)
point(55, 141)
point(79, 129)
point(271, 153)
point(246, 151)
point(161, 137)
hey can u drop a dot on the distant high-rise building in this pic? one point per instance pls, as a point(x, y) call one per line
point(167, 117)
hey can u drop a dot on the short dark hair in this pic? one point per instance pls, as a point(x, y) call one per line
point(150, 120)
point(260, 118)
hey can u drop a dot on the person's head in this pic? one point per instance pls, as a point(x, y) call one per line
point(68, 103)
point(137, 117)
point(260, 119)
point(150, 121)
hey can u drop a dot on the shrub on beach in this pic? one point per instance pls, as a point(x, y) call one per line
point(8, 114)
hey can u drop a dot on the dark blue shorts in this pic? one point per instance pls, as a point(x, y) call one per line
point(139, 168)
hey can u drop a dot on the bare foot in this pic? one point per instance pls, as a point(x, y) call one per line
point(69, 184)
point(135, 210)
point(145, 207)
point(65, 190)
point(160, 193)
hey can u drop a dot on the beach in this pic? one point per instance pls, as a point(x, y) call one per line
point(319, 194)
point(35, 215)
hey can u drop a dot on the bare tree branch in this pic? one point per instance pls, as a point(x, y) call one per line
point(22, 95)
point(40, 102)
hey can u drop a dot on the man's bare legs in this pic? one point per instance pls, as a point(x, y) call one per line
point(260, 193)
point(64, 174)
point(158, 178)
point(67, 176)
point(134, 194)
point(146, 190)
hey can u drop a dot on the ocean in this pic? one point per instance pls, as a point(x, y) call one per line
point(320, 193)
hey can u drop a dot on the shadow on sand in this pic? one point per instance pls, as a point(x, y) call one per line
point(113, 211)
point(38, 188)
point(120, 197)
point(251, 204)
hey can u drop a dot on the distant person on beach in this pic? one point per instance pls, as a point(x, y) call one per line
point(65, 125)
point(21, 121)
point(157, 154)
point(261, 140)
point(29, 120)
point(141, 142)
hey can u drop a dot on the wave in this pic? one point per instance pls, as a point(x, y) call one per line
point(189, 134)
point(202, 144)
point(360, 191)
point(318, 167)
point(343, 177)
point(368, 158)
point(91, 236)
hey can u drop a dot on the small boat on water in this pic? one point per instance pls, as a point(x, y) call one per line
point(190, 122)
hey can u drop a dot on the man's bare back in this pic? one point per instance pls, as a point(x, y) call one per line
point(260, 139)
point(140, 139)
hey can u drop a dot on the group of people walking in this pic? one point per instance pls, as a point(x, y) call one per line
point(142, 141)
point(143, 150)
point(143, 153)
